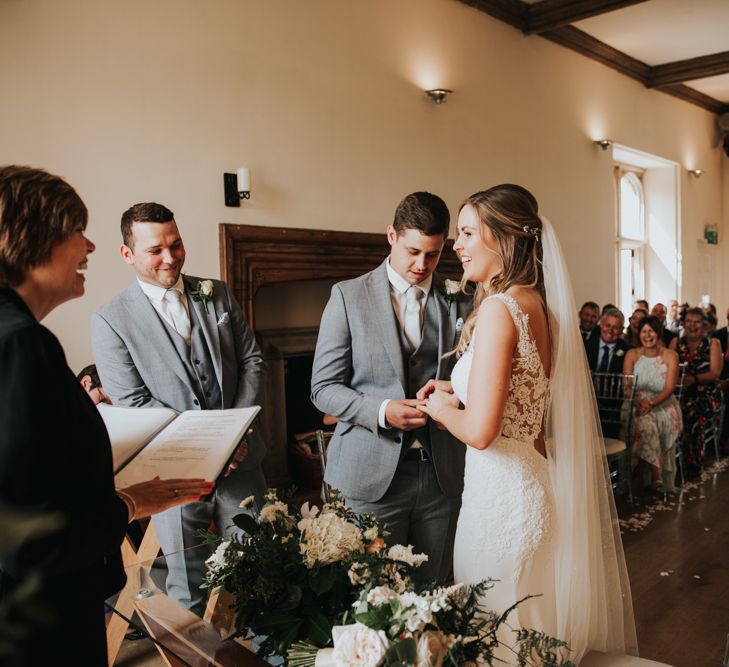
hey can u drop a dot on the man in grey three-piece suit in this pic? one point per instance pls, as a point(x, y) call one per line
point(159, 343)
point(382, 337)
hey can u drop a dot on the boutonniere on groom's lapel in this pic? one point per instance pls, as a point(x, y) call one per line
point(203, 292)
point(450, 290)
point(619, 353)
point(459, 324)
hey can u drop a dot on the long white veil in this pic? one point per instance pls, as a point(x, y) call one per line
point(594, 606)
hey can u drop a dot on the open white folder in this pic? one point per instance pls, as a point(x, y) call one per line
point(151, 442)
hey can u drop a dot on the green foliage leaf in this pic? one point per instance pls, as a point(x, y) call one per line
point(319, 629)
point(323, 581)
point(246, 523)
point(273, 622)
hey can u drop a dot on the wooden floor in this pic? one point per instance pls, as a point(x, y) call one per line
point(678, 561)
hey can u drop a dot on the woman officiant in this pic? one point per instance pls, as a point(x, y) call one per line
point(55, 455)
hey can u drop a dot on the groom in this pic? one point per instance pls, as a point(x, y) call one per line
point(382, 337)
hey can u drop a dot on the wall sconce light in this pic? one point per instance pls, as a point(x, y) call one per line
point(438, 95)
point(696, 173)
point(237, 186)
point(604, 143)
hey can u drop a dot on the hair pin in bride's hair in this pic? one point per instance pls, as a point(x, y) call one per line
point(533, 231)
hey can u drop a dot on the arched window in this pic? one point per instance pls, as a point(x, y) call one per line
point(631, 238)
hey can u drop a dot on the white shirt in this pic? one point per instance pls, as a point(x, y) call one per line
point(156, 295)
point(398, 287)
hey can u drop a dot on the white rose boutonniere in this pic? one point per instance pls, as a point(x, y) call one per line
point(619, 353)
point(203, 293)
point(450, 291)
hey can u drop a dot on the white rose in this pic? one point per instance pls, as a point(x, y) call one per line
point(431, 650)
point(358, 646)
point(619, 353)
point(206, 287)
point(452, 286)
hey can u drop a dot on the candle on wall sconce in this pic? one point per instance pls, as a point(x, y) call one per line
point(237, 186)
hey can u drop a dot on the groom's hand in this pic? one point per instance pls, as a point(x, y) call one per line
point(433, 385)
point(405, 414)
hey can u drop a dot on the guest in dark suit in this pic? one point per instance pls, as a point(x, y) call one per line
point(659, 311)
point(589, 315)
point(606, 352)
point(55, 454)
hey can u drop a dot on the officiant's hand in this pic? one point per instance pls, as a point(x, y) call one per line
point(405, 414)
point(239, 455)
point(431, 385)
point(159, 495)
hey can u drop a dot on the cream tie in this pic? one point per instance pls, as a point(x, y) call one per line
point(177, 313)
point(413, 296)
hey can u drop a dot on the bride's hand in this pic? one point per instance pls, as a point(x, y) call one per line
point(437, 401)
point(434, 385)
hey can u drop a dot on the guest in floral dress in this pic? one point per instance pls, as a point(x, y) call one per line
point(701, 397)
point(657, 421)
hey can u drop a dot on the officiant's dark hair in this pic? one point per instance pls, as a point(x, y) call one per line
point(423, 211)
point(37, 212)
point(511, 212)
point(144, 212)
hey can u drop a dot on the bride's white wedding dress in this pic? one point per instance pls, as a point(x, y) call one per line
point(546, 526)
point(506, 527)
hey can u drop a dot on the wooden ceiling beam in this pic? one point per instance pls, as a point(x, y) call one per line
point(577, 40)
point(551, 14)
point(512, 12)
point(688, 70)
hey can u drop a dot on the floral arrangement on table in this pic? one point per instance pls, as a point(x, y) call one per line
point(320, 587)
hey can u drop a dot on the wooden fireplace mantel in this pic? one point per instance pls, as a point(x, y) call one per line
point(253, 256)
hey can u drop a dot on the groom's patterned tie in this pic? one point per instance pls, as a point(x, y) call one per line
point(178, 314)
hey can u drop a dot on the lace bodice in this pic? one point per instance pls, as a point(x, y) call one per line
point(528, 387)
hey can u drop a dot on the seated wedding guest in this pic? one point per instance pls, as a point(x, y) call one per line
point(630, 336)
point(710, 308)
point(721, 335)
point(640, 303)
point(701, 396)
point(657, 420)
point(54, 449)
point(659, 311)
point(89, 379)
point(606, 351)
point(711, 323)
point(589, 315)
point(672, 322)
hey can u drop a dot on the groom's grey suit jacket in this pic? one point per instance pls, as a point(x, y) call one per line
point(139, 363)
point(359, 362)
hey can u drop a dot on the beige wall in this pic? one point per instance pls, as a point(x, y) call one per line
point(322, 100)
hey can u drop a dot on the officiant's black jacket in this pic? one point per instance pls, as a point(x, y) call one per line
point(55, 456)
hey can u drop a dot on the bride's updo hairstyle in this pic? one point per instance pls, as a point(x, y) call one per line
point(512, 214)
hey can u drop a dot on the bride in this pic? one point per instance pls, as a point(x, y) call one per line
point(537, 512)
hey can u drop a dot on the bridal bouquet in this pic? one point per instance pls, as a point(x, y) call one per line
point(321, 588)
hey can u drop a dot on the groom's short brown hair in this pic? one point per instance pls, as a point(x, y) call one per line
point(423, 211)
point(144, 212)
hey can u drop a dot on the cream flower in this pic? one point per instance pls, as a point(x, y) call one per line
point(406, 555)
point(432, 649)
point(328, 538)
point(358, 646)
point(217, 560)
point(452, 286)
point(380, 595)
point(247, 502)
point(416, 612)
point(206, 287)
point(271, 512)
